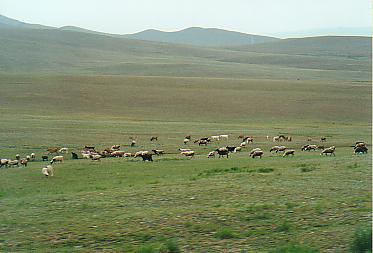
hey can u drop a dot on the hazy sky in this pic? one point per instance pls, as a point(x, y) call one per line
point(251, 16)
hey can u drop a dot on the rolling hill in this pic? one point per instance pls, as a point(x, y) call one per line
point(207, 37)
point(346, 46)
point(24, 48)
point(6, 22)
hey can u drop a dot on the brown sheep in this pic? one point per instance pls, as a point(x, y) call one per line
point(52, 150)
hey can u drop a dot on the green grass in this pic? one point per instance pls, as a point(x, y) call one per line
point(177, 203)
point(362, 240)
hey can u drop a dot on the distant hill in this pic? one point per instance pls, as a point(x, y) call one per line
point(6, 22)
point(207, 37)
point(346, 46)
point(66, 52)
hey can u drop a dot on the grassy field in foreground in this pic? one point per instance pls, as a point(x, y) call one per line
point(204, 205)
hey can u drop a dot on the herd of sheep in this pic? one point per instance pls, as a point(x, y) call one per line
point(89, 152)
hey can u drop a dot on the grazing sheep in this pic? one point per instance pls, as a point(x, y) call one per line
point(230, 148)
point(74, 156)
point(243, 144)
point(14, 163)
point(310, 147)
point(52, 150)
point(202, 142)
point(277, 149)
point(323, 139)
point(205, 139)
point(115, 147)
point(23, 162)
point(223, 152)
point(95, 157)
point(309, 139)
point(58, 158)
point(184, 149)
point(237, 149)
point(257, 153)
point(361, 150)
point(240, 136)
point(188, 137)
point(47, 170)
point(321, 147)
point(44, 158)
point(33, 156)
point(215, 138)
point(154, 138)
point(211, 154)
point(145, 155)
point(189, 153)
point(86, 155)
point(18, 157)
point(267, 137)
point(63, 150)
point(133, 143)
point(117, 153)
point(223, 136)
point(158, 151)
point(128, 155)
point(276, 139)
point(28, 158)
point(248, 139)
point(89, 148)
point(289, 152)
point(140, 153)
point(288, 138)
point(4, 162)
point(360, 144)
point(186, 140)
point(254, 150)
point(328, 151)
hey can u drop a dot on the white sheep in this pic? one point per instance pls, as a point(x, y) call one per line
point(33, 156)
point(237, 149)
point(47, 170)
point(63, 150)
point(215, 137)
point(58, 158)
point(223, 136)
point(211, 154)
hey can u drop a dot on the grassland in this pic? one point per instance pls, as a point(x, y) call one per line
point(205, 205)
